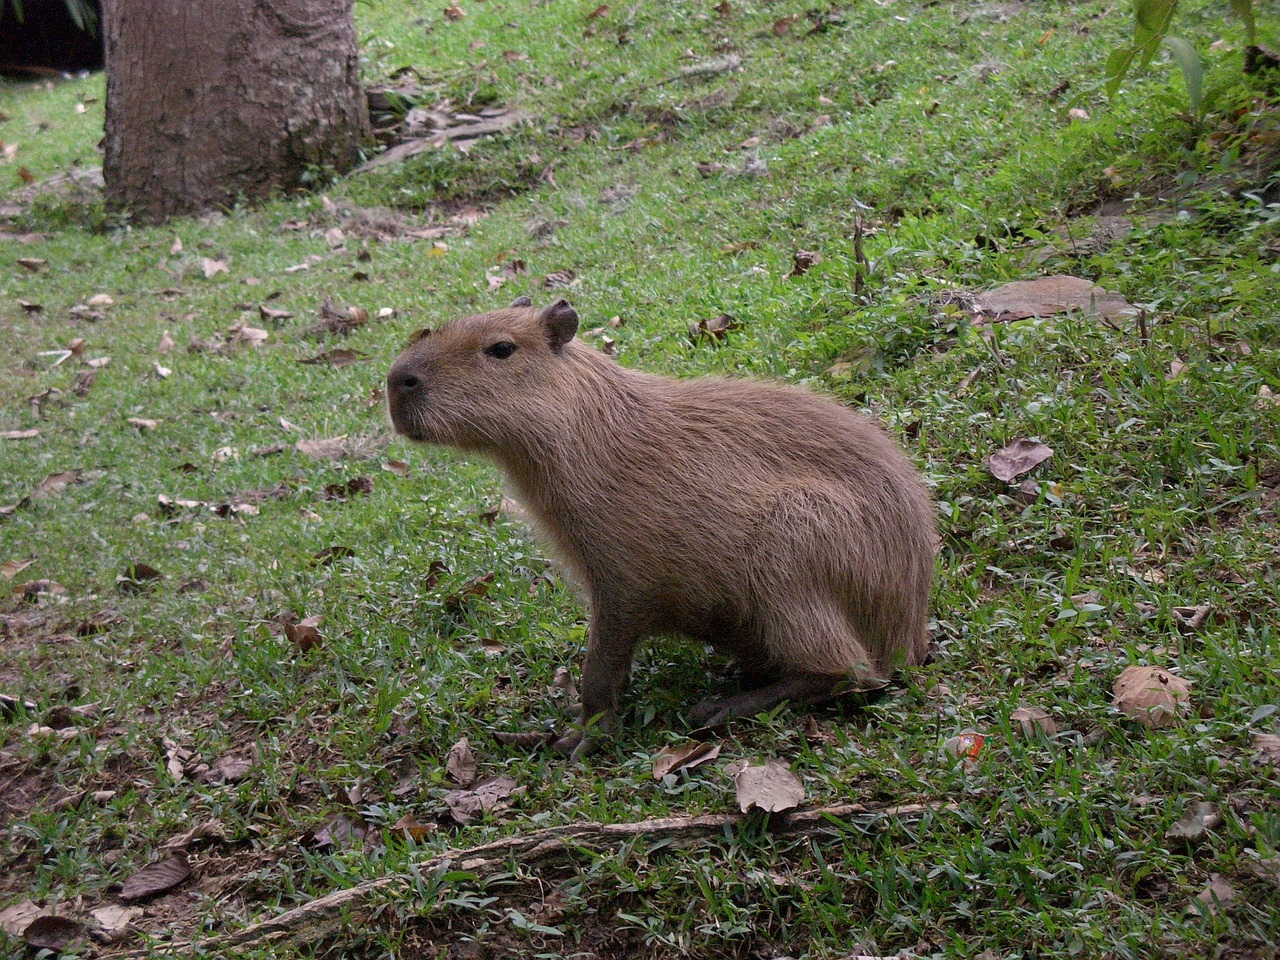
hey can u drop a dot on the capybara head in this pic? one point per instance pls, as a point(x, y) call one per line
point(473, 381)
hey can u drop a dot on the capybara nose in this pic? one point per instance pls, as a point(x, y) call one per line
point(402, 381)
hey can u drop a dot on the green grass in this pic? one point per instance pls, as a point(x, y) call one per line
point(944, 136)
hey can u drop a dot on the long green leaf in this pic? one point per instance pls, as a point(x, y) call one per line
point(1192, 71)
point(1244, 10)
point(1118, 65)
point(1151, 20)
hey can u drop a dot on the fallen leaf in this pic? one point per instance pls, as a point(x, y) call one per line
point(780, 27)
point(487, 797)
point(136, 577)
point(253, 336)
point(102, 301)
point(1218, 896)
point(166, 343)
point(113, 920)
point(1152, 696)
point(454, 13)
point(12, 568)
point(1032, 721)
point(1196, 821)
point(268, 313)
point(598, 12)
point(722, 8)
point(26, 176)
point(33, 264)
point(213, 267)
point(770, 787)
point(398, 467)
point(802, 261)
point(716, 328)
point(526, 740)
point(356, 486)
point(304, 634)
point(410, 827)
point(335, 358)
point(156, 878)
point(329, 554)
point(1048, 296)
point(53, 933)
point(1075, 113)
point(1017, 458)
point(53, 483)
point(561, 278)
point(16, 918)
point(39, 590)
point(142, 423)
point(686, 756)
point(332, 448)
point(206, 830)
point(1268, 747)
point(19, 434)
point(175, 248)
point(1191, 619)
point(334, 237)
point(460, 765)
point(227, 769)
point(31, 308)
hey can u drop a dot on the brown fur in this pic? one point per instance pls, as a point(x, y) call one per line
point(772, 523)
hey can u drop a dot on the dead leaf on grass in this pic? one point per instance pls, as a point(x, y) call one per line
point(267, 313)
point(716, 328)
point(303, 634)
point(780, 27)
point(802, 261)
point(1032, 721)
point(113, 921)
point(16, 918)
point(526, 740)
point(206, 830)
point(770, 786)
point(491, 796)
point(356, 486)
point(331, 448)
point(156, 878)
point(330, 554)
point(227, 769)
point(1047, 296)
point(32, 264)
point(460, 764)
point(560, 278)
point(39, 590)
point(1218, 896)
point(410, 827)
point(335, 358)
point(474, 589)
point(1019, 457)
point(53, 483)
point(213, 267)
point(1191, 619)
point(398, 467)
point(12, 568)
point(19, 434)
point(1152, 696)
point(674, 758)
point(53, 933)
point(142, 424)
point(137, 577)
point(31, 308)
point(1196, 821)
point(253, 336)
point(1268, 747)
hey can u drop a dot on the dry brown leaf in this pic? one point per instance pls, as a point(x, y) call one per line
point(1195, 823)
point(398, 467)
point(722, 8)
point(1030, 721)
point(1152, 696)
point(53, 483)
point(136, 577)
point(14, 919)
point(143, 424)
point(1218, 896)
point(113, 920)
point(1268, 747)
point(53, 933)
point(1019, 457)
point(227, 769)
point(213, 267)
point(780, 27)
point(12, 568)
point(253, 336)
point(1047, 296)
point(19, 434)
point(460, 764)
point(802, 261)
point(304, 634)
point(175, 248)
point(415, 831)
point(487, 797)
point(331, 448)
point(561, 278)
point(166, 343)
point(770, 786)
point(39, 590)
point(337, 832)
point(268, 313)
point(686, 756)
point(33, 264)
point(206, 830)
point(156, 878)
point(716, 328)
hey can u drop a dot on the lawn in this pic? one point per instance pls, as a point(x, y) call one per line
point(243, 627)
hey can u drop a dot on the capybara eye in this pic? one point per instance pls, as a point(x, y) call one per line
point(501, 350)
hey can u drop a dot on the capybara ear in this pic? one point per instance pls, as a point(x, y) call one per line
point(418, 335)
point(521, 302)
point(560, 321)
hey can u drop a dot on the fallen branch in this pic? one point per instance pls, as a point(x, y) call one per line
point(326, 915)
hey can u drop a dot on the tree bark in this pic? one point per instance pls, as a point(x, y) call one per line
point(211, 102)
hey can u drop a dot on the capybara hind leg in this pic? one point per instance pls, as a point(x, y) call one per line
point(796, 688)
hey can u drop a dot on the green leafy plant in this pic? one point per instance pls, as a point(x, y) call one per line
point(1151, 21)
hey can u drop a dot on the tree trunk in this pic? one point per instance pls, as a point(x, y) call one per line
point(211, 102)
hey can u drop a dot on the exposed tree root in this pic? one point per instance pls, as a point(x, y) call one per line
point(325, 916)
